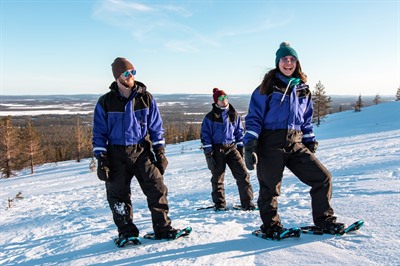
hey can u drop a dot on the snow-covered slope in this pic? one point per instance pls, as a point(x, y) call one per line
point(64, 218)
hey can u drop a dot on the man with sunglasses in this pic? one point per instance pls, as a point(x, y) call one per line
point(222, 139)
point(127, 124)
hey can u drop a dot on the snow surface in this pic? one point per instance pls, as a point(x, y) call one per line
point(64, 218)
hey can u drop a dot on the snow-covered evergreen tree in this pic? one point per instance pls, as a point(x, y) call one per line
point(359, 104)
point(321, 103)
point(8, 146)
point(31, 151)
point(377, 99)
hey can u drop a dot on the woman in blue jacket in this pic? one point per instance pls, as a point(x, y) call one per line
point(222, 139)
point(279, 134)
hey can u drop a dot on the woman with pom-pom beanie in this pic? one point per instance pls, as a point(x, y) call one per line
point(279, 134)
point(222, 139)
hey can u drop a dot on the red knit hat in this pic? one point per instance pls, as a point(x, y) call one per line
point(217, 93)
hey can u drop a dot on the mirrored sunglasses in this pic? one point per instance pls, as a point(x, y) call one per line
point(129, 72)
point(222, 97)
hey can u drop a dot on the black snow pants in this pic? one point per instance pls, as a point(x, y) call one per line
point(228, 154)
point(126, 162)
point(304, 165)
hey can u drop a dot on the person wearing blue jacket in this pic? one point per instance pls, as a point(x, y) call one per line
point(279, 134)
point(127, 124)
point(222, 140)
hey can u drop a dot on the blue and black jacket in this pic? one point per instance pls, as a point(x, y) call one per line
point(126, 121)
point(221, 127)
point(282, 116)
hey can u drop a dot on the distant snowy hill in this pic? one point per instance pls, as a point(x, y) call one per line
point(64, 218)
point(373, 119)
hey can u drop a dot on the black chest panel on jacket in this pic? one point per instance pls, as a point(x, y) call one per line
point(215, 114)
point(114, 102)
point(279, 86)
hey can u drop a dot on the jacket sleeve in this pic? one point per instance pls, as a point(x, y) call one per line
point(307, 127)
point(100, 130)
point(239, 131)
point(155, 127)
point(255, 117)
point(206, 134)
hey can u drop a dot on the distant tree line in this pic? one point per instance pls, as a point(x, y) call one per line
point(29, 141)
point(322, 103)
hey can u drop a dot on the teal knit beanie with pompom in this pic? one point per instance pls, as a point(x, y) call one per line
point(285, 50)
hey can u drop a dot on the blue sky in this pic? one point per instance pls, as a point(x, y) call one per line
point(67, 47)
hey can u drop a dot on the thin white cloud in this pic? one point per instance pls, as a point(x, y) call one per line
point(182, 46)
point(191, 41)
point(167, 24)
point(146, 20)
point(121, 6)
point(265, 26)
point(177, 9)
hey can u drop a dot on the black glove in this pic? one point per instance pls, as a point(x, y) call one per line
point(211, 164)
point(312, 146)
point(103, 167)
point(250, 155)
point(161, 161)
point(240, 150)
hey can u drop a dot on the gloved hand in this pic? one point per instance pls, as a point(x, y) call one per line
point(250, 155)
point(312, 146)
point(161, 161)
point(211, 164)
point(240, 150)
point(103, 167)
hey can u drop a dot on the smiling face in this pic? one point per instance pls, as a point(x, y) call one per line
point(287, 65)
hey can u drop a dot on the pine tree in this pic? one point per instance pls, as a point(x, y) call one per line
point(8, 146)
point(359, 104)
point(31, 149)
point(79, 138)
point(83, 136)
point(321, 103)
point(398, 94)
point(193, 132)
point(171, 133)
point(377, 99)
